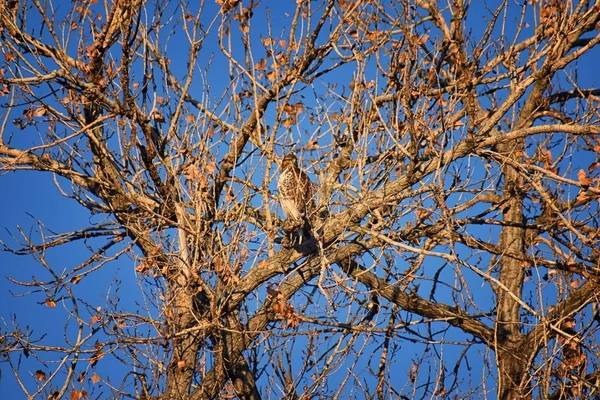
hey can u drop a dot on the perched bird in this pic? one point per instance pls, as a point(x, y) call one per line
point(296, 196)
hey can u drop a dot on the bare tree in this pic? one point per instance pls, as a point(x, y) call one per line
point(454, 246)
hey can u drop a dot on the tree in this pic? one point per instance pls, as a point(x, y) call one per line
point(454, 249)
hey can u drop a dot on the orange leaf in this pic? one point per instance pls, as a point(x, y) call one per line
point(95, 378)
point(211, 167)
point(575, 284)
point(261, 65)
point(288, 122)
point(75, 394)
point(40, 375)
point(272, 76)
point(94, 319)
point(50, 303)
point(8, 56)
point(143, 268)
point(39, 112)
point(189, 118)
point(181, 364)
point(583, 178)
point(158, 117)
point(582, 197)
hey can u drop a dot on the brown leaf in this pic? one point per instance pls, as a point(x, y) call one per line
point(582, 197)
point(181, 364)
point(94, 319)
point(189, 118)
point(40, 375)
point(261, 65)
point(50, 303)
point(575, 284)
point(583, 178)
point(268, 42)
point(95, 378)
point(76, 279)
point(272, 76)
point(210, 167)
point(158, 117)
point(142, 268)
point(288, 122)
point(75, 394)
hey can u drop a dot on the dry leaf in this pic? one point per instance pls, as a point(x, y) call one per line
point(39, 112)
point(95, 378)
point(181, 364)
point(40, 375)
point(94, 319)
point(158, 117)
point(261, 65)
point(189, 118)
point(210, 167)
point(75, 394)
point(582, 197)
point(50, 303)
point(583, 178)
point(288, 122)
point(272, 76)
point(575, 284)
point(143, 268)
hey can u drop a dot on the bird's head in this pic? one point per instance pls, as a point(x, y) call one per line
point(289, 160)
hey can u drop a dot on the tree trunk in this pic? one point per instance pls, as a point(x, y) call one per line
point(512, 365)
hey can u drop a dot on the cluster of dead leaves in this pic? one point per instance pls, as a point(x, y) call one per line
point(292, 111)
point(283, 309)
point(227, 5)
point(98, 354)
point(149, 263)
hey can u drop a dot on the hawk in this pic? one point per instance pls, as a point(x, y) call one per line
point(296, 195)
